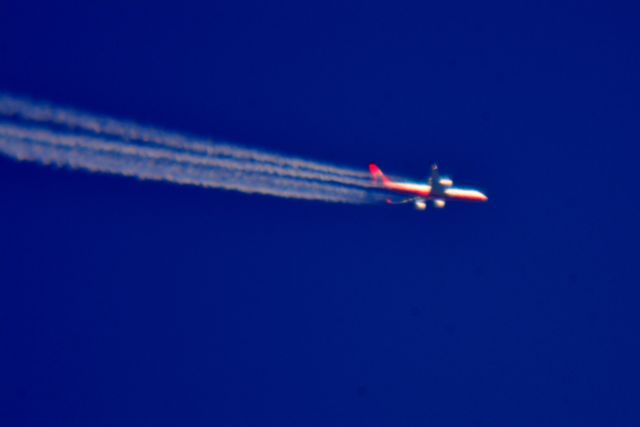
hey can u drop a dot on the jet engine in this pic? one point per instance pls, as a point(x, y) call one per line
point(446, 182)
point(421, 204)
point(439, 203)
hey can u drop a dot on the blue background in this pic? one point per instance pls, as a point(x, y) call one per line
point(139, 303)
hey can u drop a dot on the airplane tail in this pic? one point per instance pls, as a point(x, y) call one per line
point(376, 174)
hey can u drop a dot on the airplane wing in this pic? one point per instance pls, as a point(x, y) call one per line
point(401, 201)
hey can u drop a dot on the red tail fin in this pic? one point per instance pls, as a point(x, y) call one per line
point(376, 173)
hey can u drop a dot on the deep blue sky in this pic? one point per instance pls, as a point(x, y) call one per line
point(140, 303)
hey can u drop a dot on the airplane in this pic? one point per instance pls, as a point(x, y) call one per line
point(438, 189)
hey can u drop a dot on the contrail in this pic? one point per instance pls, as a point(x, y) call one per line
point(98, 144)
point(145, 168)
point(47, 134)
point(49, 114)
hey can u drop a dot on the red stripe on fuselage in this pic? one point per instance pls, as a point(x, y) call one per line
point(423, 190)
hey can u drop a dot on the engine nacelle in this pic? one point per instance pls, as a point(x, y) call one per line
point(421, 205)
point(446, 182)
point(439, 203)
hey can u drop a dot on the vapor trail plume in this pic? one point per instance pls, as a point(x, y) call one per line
point(47, 134)
point(49, 114)
point(100, 144)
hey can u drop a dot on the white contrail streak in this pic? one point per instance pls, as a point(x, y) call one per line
point(48, 134)
point(100, 144)
point(49, 114)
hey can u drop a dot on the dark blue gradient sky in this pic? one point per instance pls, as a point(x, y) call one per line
point(138, 303)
